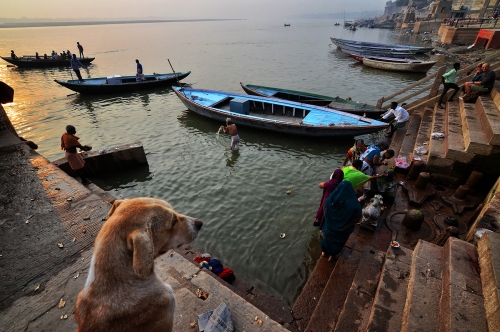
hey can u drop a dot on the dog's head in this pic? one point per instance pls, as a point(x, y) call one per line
point(151, 227)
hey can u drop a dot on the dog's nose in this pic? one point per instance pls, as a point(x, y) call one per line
point(198, 223)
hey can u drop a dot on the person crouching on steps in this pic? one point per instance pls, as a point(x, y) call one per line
point(401, 117)
point(69, 143)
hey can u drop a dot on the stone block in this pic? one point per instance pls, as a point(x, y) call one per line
point(421, 310)
point(489, 261)
point(387, 310)
point(356, 311)
point(462, 303)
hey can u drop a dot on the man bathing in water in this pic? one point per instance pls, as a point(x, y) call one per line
point(231, 128)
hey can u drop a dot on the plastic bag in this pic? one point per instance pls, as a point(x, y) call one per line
point(421, 150)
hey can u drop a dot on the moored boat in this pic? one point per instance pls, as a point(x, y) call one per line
point(336, 103)
point(33, 62)
point(277, 115)
point(414, 67)
point(118, 84)
point(371, 45)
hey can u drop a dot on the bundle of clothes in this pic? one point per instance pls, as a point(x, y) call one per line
point(215, 265)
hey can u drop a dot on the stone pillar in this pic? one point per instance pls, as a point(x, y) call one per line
point(474, 179)
point(461, 192)
point(416, 167)
point(413, 220)
point(423, 179)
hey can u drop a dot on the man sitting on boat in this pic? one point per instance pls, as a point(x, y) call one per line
point(139, 76)
point(401, 117)
point(13, 55)
point(235, 138)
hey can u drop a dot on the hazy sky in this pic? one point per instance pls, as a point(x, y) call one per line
point(168, 9)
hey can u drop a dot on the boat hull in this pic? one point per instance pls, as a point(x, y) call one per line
point(313, 99)
point(370, 45)
point(43, 63)
point(413, 67)
point(283, 127)
point(99, 85)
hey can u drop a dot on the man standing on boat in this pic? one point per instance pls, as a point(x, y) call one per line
point(75, 65)
point(235, 138)
point(401, 117)
point(449, 83)
point(80, 49)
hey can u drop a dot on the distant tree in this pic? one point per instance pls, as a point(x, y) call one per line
point(401, 2)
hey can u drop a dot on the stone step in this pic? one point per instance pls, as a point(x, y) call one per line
point(489, 260)
point(437, 146)
point(462, 303)
point(474, 137)
point(388, 305)
point(421, 312)
point(397, 139)
point(311, 293)
point(455, 146)
point(424, 134)
point(411, 136)
point(356, 311)
point(490, 118)
point(329, 306)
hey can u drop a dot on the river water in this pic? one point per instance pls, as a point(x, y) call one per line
point(241, 197)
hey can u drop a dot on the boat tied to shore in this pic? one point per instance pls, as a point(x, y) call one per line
point(30, 61)
point(337, 103)
point(377, 49)
point(118, 84)
point(286, 117)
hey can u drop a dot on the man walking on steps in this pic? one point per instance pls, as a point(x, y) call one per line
point(449, 83)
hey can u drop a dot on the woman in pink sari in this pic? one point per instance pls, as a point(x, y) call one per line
point(328, 187)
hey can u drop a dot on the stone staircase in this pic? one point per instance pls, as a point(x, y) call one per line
point(430, 288)
point(471, 142)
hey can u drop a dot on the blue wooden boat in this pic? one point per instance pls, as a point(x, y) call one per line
point(29, 61)
point(336, 103)
point(118, 84)
point(277, 115)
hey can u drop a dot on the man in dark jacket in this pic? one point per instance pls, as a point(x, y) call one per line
point(483, 86)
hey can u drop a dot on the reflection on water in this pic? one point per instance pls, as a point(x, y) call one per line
point(240, 196)
point(123, 178)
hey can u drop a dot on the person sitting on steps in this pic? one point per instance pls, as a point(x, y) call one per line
point(483, 86)
point(401, 117)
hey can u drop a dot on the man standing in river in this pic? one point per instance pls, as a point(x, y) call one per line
point(235, 138)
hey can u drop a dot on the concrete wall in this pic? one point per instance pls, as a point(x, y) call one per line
point(423, 26)
point(452, 35)
point(115, 158)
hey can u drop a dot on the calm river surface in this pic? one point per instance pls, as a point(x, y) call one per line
point(241, 197)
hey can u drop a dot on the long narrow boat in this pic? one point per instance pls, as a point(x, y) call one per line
point(414, 67)
point(117, 83)
point(360, 58)
point(390, 53)
point(336, 103)
point(277, 115)
point(368, 45)
point(32, 62)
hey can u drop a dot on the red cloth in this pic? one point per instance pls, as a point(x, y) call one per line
point(198, 259)
point(226, 272)
point(69, 141)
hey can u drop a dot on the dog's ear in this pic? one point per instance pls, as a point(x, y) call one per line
point(140, 242)
point(116, 204)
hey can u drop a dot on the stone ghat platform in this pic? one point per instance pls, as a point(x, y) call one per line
point(48, 223)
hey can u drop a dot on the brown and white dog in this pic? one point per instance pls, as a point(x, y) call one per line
point(122, 292)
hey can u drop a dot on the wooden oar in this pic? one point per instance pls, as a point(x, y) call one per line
point(177, 78)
